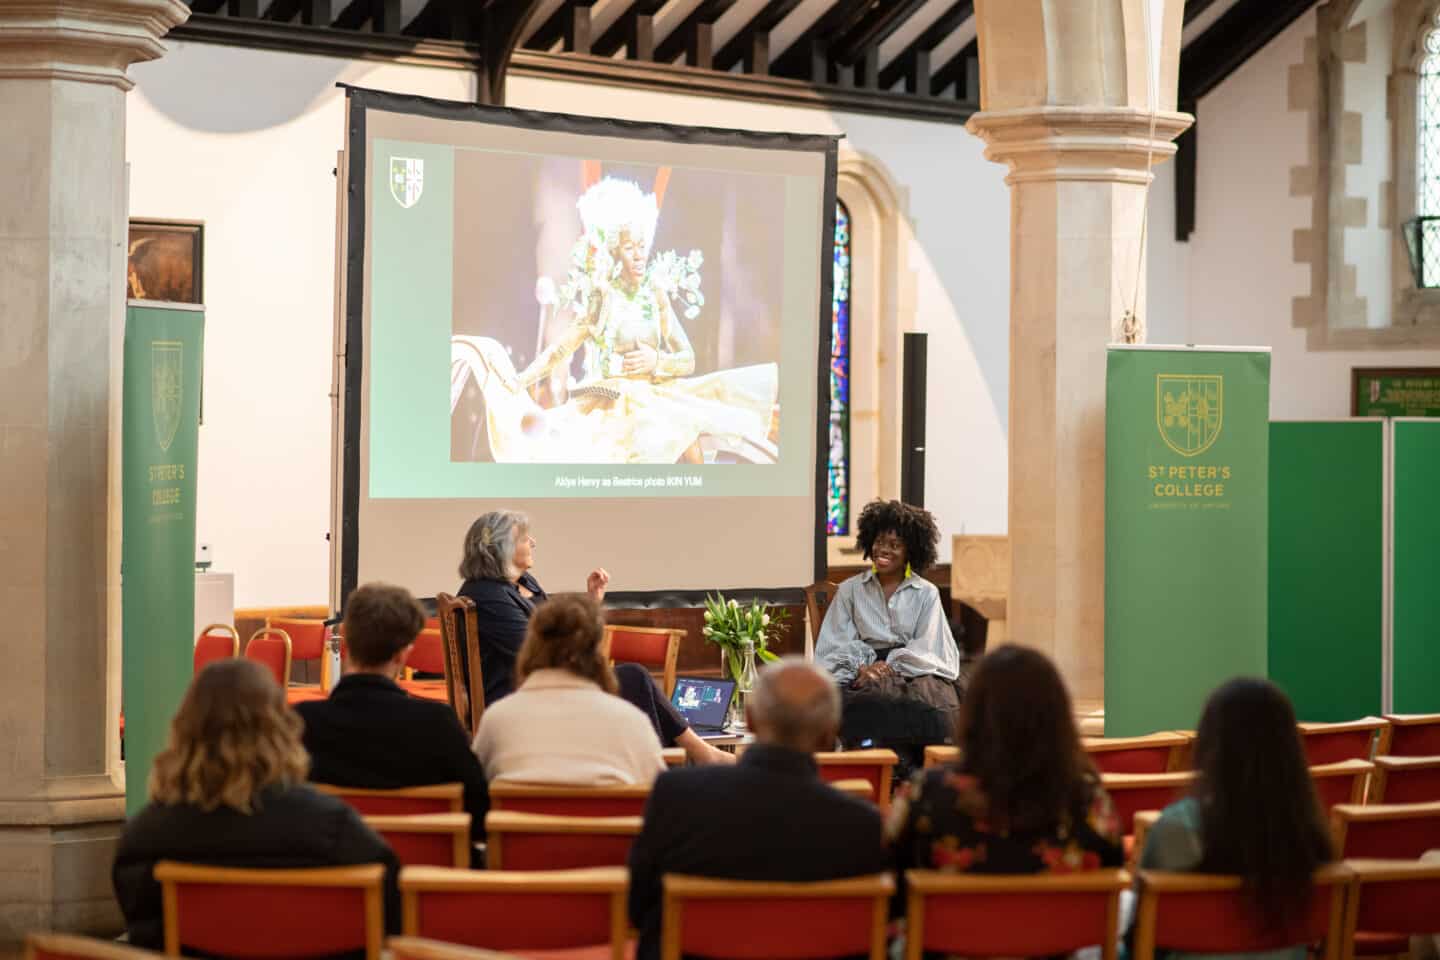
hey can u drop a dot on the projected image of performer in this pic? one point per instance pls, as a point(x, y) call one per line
point(637, 399)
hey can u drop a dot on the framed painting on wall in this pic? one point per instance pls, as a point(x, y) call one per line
point(166, 260)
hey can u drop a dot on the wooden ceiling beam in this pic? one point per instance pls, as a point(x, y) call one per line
point(879, 22)
point(569, 24)
point(627, 29)
point(694, 31)
point(906, 65)
point(751, 42)
point(808, 58)
point(963, 70)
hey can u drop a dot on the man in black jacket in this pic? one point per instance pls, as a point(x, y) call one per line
point(769, 817)
point(370, 733)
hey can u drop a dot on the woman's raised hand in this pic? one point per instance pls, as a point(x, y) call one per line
point(596, 583)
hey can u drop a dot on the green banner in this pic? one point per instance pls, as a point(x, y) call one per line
point(160, 431)
point(1186, 493)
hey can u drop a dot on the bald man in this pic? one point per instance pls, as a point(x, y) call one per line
point(769, 817)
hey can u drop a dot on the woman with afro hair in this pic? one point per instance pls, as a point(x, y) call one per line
point(886, 639)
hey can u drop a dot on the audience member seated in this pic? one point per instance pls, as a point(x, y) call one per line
point(1024, 797)
point(887, 641)
point(770, 817)
point(1253, 811)
point(495, 565)
point(564, 724)
point(369, 733)
point(229, 790)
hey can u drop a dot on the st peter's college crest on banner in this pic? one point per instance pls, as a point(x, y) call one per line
point(166, 388)
point(407, 180)
point(1189, 411)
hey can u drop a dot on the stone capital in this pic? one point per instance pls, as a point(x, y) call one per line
point(1049, 143)
point(92, 41)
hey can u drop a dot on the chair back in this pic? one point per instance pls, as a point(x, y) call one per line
point(938, 754)
point(1205, 913)
point(419, 948)
point(1154, 753)
point(1386, 832)
point(270, 647)
point(544, 910)
point(464, 678)
point(818, 597)
point(537, 841)
point(426, 839)
point(859, 788)
point(1012, 916)
point(782, 921)
point(65, 946)
point(402, 802)
point(428, 654)
point(1333, 742)
point(1133, 792)
point(1413, 735)
point(1393, 897)
point(219, 641)
point(613, 801)
point(311, 912)
point(674, 756)
point(1405, 780)
point(307, 636)
point(651, 647)
point(1342, 782)
point(875, 766)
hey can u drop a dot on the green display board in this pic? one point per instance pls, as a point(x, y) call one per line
point(1327, 540)
point(1186, 497)
point(1395, 392)
point(1416, 571)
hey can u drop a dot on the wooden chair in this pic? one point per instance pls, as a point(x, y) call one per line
point(651, 647)
point(1133, 792)
point(1342, 782)
point(1012, 916)
point(674, 756)
point(858, 787)
point(402, 802)
point(544, 910)
point(310, 912)
point(1402, 831)
point(1354, 740)
point(781, 921)
point(467, 690)
point(1413, 735)
point(219, 641)
point(817, 603)
point(1389, 902)
point(939, 754)
point(307, 642)
point(65, 946)
point(419, 948)
point(1144, 820)
point(1153, 753)
point(1205, 913)
point(426, 839)
point(537, 841)
point(1405, 780)
point(270, 647)
point(876, 766)
point(613, 801)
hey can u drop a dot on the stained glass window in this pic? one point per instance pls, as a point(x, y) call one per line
point(837, 517)
point(1427, 179)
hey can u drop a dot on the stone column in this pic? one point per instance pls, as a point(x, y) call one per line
point(62, 254)
point(1069, 104)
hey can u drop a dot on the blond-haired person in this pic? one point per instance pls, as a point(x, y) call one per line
point(229, 790)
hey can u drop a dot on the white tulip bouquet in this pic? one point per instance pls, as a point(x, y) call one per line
point(730, 625)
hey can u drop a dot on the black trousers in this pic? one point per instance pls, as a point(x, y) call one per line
point(638, 687)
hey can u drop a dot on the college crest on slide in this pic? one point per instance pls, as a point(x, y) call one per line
point(1189, 411)
point(407, 180)
point(166, 389)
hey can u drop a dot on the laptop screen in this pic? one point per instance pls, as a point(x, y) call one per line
point(703, 702)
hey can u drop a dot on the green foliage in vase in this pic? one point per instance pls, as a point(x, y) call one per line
point(729, 624)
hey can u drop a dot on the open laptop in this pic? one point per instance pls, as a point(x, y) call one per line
point(705, 703)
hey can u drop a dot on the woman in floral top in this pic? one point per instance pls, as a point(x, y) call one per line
point(1024, 798)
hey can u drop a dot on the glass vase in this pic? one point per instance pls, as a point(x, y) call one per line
point(744, 685)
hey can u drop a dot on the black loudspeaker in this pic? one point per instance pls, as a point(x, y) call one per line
point(912, 422)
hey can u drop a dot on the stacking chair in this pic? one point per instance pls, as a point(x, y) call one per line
point(674, 756)
point(1405, 780)
point(427, 656)
point(1133, 792)
point(307, 642)
point(614, 801)
point(1402, 831)
point(651, 647)
point(939, 754)
point(1396, 900)
point(426, 839)
point(517, 910)
point(219, 641)
point(294, 913)
point(859, 787)
point(781, 921)
point(402, 802)
point(1413, 735)
point(1342, 782)
point(271, 648)
point(1354, 740)
point(64, 946)
point(418, 948)
point(1204, 913)
point(1012, 916)
point(1153, 753)
point(876, 765)
point(537, 841)
point(458, 625)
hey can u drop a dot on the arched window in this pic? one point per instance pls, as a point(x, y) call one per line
point(1427, 160)
point(837, 516)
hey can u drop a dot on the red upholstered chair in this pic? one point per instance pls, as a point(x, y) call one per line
point(617, 801)
point(428, 654)
point(225, 911)
point(781, 921)
point(656, 648)
point(1154, 753)
point(859, 788)
point(1405, 780)
point(1401, 831)
point(877, 766)
point(1354, 740)
point(64, 946)
point(1413, 735)
point(1398, 898)
point(1342, 782)
point(405, 801)
point(1203, 913)
point(426, 839)
point(418, 948)
point(218, 641)
point(517, 911)
point(307, 642)
point(937, 754)
point(1133, 792)
point(271, 647)
point(537, 841)
point(1012, 916)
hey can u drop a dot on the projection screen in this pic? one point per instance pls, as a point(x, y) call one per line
point(612, 327)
